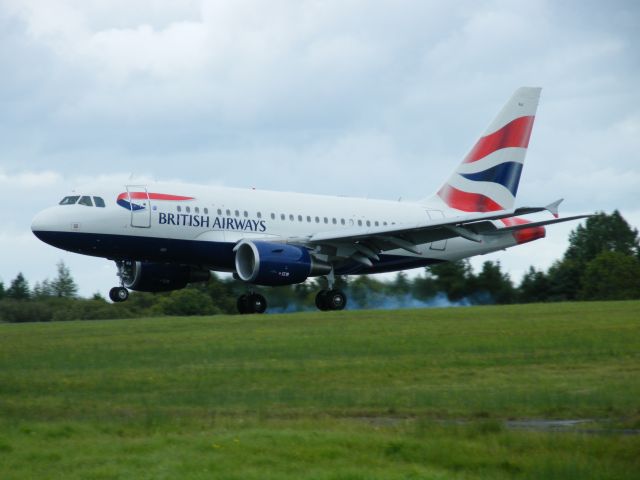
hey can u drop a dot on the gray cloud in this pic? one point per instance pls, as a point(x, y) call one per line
point(374, 98)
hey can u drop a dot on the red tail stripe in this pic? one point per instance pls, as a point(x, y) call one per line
point(514, 134)
point(467, 202)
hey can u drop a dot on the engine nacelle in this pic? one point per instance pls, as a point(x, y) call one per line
point(160, 277)
point(265, 263)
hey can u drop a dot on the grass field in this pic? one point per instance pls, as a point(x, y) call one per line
point(336, 395)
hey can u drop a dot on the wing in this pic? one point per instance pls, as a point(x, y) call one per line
point(364, 244)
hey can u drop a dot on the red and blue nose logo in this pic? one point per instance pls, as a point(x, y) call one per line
point(135, 201)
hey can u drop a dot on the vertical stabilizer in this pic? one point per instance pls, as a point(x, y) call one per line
point(488, 177)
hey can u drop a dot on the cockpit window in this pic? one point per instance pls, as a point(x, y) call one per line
point(69, 200)
point(98, 201)
point(85, 200)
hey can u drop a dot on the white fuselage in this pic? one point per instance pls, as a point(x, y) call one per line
point(200, 225)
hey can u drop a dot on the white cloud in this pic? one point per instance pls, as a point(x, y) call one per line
point(28, 180)
point(368, 98)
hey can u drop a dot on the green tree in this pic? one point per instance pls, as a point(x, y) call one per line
point(63, 285)
point(534, 287)
point(497, 284)
point(19, 288)
point(400, 286)
point(41, 290)
point(600, 233)
point(424, 287)
point(611, 276)
point(366, 292)
point(188, 301)
point(456, 279)
point(2, 292)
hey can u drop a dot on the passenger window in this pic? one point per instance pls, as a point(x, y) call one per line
point(179, 208)
point(368, 223)
point(237, 212)
point(299, 218)
point(273, 216)
point(342, 221)
point(317, 220)
point(259, 215)
point(334, 221)
point(228, 212)
point(384, 223)
point(377, 224)
point(188, 209)
point(359, 223)
point(282, 216)
point(309, 218)
point(206, 211)
point(326, 220)
point(291, 217)
point(197, 210)
point(86, 201)
point(246, 214)
point(99, 202)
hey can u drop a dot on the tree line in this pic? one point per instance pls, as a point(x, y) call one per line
point(602, 262)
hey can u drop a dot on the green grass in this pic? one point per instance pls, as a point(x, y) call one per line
point(344, 395)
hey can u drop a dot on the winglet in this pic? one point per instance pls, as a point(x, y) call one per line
point(553, 207)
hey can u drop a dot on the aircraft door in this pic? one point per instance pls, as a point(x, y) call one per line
point(440, 244)
point(140, 205)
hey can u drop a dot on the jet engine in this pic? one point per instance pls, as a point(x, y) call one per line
point(160, 277)
point(272, 264)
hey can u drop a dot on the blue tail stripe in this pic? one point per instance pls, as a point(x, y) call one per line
point(506, 174)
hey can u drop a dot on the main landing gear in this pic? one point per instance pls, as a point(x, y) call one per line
point(330, 299)
point(333, 299)
point(252, 303)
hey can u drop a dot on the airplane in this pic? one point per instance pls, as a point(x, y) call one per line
point(164, 236)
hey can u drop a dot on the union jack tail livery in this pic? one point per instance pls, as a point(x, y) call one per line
point(488, 177)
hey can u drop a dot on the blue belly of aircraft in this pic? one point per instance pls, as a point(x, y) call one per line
point(215, 255)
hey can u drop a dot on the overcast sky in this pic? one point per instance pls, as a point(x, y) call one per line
point(363, 98)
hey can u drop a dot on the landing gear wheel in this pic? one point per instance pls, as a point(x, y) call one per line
point(321, 300)
point(252, 303)
point(335, 300)
point(258, 303)
point(331, 300)
point(243, 306)
point(118, 294)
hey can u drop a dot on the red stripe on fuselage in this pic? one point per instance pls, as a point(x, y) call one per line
point(151, 196)
point(514, 134)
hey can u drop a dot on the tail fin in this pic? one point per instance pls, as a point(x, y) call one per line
point(488, 177)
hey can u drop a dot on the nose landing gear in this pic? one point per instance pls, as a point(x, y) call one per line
point(118, 294)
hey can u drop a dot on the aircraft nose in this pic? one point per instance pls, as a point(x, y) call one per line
point(38, 222)
point(43, 221)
